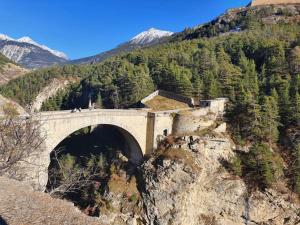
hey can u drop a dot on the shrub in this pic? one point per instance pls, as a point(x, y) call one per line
point(260, 167)
point(236, 166)
point(263, 167)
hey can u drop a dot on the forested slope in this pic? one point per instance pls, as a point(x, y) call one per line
point(9, 70)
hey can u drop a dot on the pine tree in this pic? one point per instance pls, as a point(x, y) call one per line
point(249, 74)
point(270, 119)
point(210, 89)
point(284, 103)
point(294, 60)
point(264, 166)
point(296, 169)
point(228, 74)
point(197, 86)
point(99, 103)
point(295, 100)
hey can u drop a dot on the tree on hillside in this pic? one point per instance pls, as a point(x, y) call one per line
point(249, 75)
point(295, 99)
point(294, 59)
point(296, 169)
point(284, 104)
point(270, 119)
point(176, 79)
point(228, 73)
point(262, 167)
point(246, 116)
point(197, 86)
point(210, 89)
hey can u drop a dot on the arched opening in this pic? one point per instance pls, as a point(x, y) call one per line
point(91, 160)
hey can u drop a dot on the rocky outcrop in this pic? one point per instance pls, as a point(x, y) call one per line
point(273, 2)
point(51, 90)
point(123, 204)
point(189, 185)
point(20, 205)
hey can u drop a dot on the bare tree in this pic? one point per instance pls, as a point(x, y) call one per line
point(68, 177)
point(20, 140)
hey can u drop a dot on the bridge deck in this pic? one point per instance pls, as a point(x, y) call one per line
point(89, 113)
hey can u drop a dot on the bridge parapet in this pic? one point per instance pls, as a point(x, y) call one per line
point(67, 114)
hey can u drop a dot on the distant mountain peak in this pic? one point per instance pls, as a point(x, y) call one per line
point(147, 37)
point(26, 40)
point(54, 52)
point(29, 53)
point(5, 37)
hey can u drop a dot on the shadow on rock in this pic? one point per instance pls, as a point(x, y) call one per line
point(2, 221)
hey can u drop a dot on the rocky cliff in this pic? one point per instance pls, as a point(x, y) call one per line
point(189, 185)
point(49, 91)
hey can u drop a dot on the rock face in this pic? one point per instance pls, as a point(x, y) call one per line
point(53, 88)
point(192, 187)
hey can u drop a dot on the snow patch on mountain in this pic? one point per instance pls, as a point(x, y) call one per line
point(5, 37)
point(28, 40)
point(54, 52)
point(149, 36)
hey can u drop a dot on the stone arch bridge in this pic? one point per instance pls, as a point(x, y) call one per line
point(140, 129)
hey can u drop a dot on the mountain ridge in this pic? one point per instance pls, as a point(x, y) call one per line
point(29, 53)
point(144, 39)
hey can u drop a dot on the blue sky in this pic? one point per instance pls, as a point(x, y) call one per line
point(86, 27)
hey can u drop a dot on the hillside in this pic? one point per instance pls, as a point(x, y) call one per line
point(9, 70)
point(242, 19)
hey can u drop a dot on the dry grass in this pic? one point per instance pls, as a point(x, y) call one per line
point(208, 220)
point(163, 103)
point(118, 184)
point(181, 154)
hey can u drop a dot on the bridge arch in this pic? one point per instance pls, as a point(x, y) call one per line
point(59, 125)
point(131, 146)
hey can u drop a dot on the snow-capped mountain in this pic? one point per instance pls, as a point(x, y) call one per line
point(54, 52)
point(149, 36)
point(145, 39)
point(29, 53)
